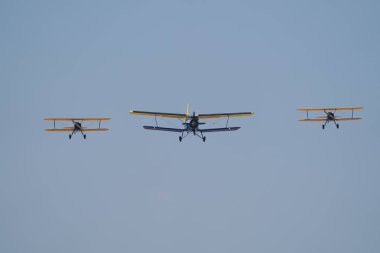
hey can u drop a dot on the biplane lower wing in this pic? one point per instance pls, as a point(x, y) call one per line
point(177, 130)
point(224, 129)
point(83, 119)
point(224, 115)
point(159, 114)
point(313, 120)
point(70, 129)
point(346, 119)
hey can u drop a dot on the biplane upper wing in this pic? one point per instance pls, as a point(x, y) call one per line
point(324, 119)
point(224, 129)
point(177, 130)
point(331, 108)
point(224, 115)
point(70, 129)
point(160, 114)
point(84, 119)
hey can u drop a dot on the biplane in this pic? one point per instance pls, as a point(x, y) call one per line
point(191, 122)
point(330, 115)
point(77, 126)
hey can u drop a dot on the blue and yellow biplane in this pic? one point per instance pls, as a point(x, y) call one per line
point(191, 122)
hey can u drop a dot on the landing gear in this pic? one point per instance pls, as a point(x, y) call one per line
point(183, 136)
point(70, 136)
point(323, 126)
point(337, 126)
point(84, 136)
point(200, 136)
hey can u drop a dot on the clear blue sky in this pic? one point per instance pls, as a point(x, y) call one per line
point(277, 185)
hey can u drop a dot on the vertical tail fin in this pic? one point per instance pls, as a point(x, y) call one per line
point(187, 111)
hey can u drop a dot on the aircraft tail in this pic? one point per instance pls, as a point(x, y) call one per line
point(187, 110)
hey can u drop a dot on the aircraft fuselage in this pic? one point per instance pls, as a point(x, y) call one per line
point(77, 126)
point(192, 125)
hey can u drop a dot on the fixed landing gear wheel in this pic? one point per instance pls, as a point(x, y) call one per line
point(323, 126)
point(84, 136)
point(337, 126)
point(70, 136)
point(204, 138)
point(180, 139)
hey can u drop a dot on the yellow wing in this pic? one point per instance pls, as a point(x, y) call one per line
point(159, 114)
point(324, 119)
point(331, 108)
point(223, 115)
point(70, 129)
point(70, 119)
point(313, 120)
point(344, 119)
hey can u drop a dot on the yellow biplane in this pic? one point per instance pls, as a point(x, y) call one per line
point(191, 122)
point(330, 114)
point(77, 126)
